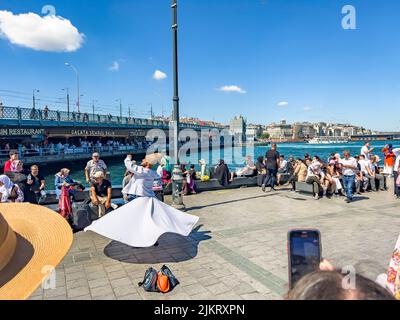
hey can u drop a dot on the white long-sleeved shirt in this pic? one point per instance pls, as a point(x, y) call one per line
point(397, 164)
point(142, 184)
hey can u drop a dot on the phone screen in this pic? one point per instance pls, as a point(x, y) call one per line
point(305, 254)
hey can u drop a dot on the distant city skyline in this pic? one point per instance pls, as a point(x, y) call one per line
point(268, 60)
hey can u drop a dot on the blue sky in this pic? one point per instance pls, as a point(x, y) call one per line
point(293, 51)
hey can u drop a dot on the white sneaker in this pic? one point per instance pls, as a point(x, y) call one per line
point(114, 206)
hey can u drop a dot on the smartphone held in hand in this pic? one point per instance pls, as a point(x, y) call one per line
point(305, 253)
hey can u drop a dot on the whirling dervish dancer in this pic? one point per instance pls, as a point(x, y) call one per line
point(142, 221)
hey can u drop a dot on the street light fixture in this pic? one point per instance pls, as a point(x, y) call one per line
point(34, 97)
point(177, 176)
point(120, 107)
point(151, 110)
point(67, 91)
point(94, 101)
point(129, 110)
point(77, 82)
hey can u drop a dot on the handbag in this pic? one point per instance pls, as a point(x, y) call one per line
point(13, 194)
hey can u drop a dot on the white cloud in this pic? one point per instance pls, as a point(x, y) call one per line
point(283, 104)
point(48, 33)
point(159, 75)
point(232, 89)
point(114, 67)
point(306, 109)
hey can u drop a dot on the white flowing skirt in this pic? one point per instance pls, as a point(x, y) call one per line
point(142, 221)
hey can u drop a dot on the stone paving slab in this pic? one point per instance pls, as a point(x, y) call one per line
point(238, 249)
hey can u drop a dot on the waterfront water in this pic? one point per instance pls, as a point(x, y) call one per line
point(117, 170)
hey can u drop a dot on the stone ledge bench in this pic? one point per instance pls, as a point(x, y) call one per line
point(305, 188)
point(211, 185)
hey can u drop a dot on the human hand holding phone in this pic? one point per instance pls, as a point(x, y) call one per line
point(325, 265)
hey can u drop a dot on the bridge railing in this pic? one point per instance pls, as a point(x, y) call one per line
point(11, 113)
point(25, 153)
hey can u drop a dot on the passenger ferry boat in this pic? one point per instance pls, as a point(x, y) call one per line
point(329, 140)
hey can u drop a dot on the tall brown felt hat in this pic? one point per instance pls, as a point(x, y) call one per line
point(154, 158)
point(33, 240)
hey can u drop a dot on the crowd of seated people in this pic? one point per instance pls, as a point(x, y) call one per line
point(329, 176)
point(337, 176)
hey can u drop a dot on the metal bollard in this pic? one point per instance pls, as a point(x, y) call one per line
point(177, 183)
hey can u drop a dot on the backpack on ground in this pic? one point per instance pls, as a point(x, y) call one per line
point(172, 279)
point(163, 281)
point(82, 217)
point(149, 282)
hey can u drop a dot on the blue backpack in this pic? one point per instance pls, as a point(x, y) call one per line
point(150, 281)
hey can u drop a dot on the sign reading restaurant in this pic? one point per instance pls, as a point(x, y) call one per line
point(21, 132)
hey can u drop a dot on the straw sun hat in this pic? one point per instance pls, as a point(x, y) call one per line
point(33, 241)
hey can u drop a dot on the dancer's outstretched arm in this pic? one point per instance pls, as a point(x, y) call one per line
point(132, 167)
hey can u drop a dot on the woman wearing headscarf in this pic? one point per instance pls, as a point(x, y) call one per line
point(9, 192)
point(222, 173)
point(63, 179)
point(190, 180)
point(19, 176)
point(141, 222)
point(261, 170)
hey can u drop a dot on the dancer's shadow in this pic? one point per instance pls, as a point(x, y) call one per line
point(171, 248)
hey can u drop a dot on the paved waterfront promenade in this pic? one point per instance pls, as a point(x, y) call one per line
point(239, 250)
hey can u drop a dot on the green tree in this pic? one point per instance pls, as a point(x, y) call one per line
point(264, 136)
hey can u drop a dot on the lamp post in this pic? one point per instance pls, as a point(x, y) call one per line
point(129, 109)
point(34, 97)
point(120, 107)
point(68, 110)
point(151, 110)
point(77, 83)
point(177, 175)
point(94, 101)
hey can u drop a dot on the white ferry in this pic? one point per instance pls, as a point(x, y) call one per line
point(329, 140)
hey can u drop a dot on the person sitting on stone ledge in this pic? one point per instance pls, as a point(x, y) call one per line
point(261, 171)
point(222, 173)
point(100, 194)
point(9, 192)
point(248, 170)
point(373, 174)
point(283, 168)
point(299, 173)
